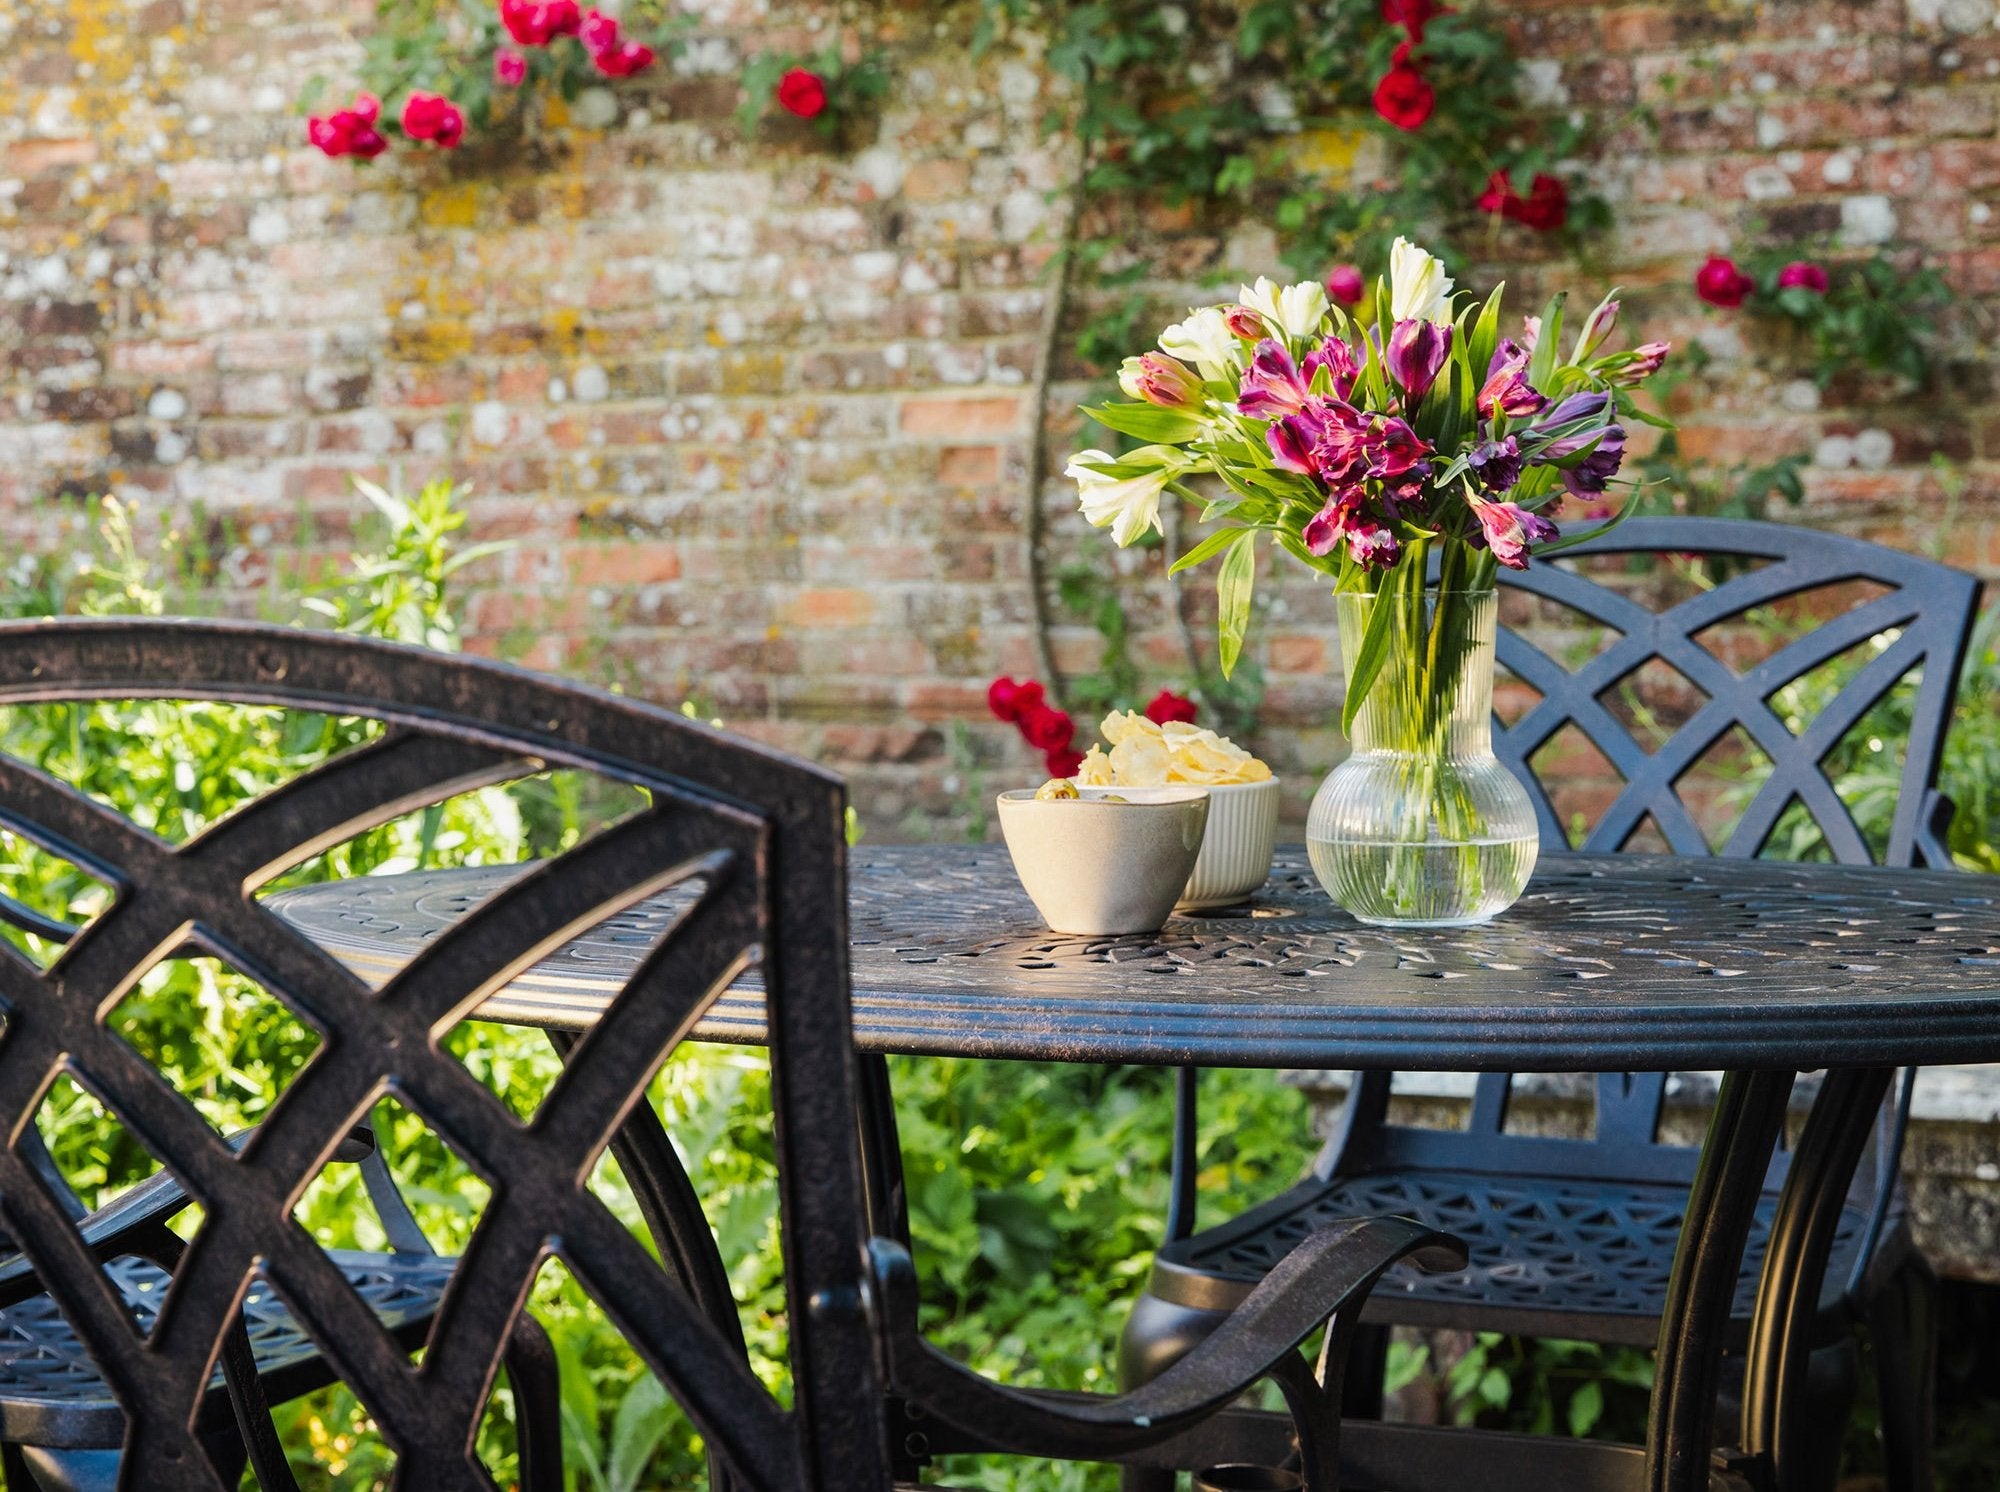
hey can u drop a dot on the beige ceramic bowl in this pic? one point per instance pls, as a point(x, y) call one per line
point(1236, 852)
point(1097, 869)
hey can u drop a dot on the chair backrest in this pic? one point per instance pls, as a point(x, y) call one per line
point(752, 838)
point(1924, 610)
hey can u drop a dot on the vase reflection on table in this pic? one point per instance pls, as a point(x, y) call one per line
point(1422, 826)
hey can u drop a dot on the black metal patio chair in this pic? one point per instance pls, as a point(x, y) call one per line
point(117, 1327)
point(1575, 1238)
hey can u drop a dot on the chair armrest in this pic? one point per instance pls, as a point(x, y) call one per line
point(1331, 1270)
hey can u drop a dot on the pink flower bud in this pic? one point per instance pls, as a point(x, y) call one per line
point(510, 68)
point(1246, 323)
point(1345, 285)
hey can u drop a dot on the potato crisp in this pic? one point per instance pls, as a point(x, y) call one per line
point(1143, 754)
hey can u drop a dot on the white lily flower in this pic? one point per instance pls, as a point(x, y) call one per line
point(1131, 505)
point(1205, 340)
point(1295, 310)
point(1419, 289)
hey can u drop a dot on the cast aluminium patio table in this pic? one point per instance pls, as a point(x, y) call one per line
point(1640, 963)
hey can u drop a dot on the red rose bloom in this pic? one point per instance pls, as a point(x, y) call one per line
point(1168, 705)
point(624, 59)
point(1046, 729)
point(1804, 276)
point(802, 93)
point(1545, 208)
point(598, 32)
point(433, 117)
point(1403, 97)
point(527, 22)
point(1063, 763)
point(1009, 701)
point(350, 131)
point(1411, 15)
point(1721, 283)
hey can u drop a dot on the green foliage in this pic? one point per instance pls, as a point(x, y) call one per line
point(1874, 316)
point(1545, 1386)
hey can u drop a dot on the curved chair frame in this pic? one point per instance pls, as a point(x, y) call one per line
point(761, 832)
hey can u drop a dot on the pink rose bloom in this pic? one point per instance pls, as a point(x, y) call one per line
point(510, 68)
point(1804, 276)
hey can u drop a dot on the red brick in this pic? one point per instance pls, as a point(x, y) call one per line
point(961, 417)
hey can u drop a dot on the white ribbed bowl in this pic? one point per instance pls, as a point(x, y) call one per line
point(1236, 852)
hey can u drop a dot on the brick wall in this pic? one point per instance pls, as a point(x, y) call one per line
point(757, 412)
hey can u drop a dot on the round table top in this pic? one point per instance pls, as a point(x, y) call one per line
point(1626, 962)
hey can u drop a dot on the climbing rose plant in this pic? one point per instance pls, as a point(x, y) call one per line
point(448, 72)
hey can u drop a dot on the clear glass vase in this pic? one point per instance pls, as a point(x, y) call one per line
point(1422, 826)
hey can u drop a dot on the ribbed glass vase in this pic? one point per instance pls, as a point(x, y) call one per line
point(1422, 826)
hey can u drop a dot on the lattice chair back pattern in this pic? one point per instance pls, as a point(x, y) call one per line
point(1926, 608)
point(754, 841)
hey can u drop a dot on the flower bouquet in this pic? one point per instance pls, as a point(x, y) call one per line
point(1403, 452)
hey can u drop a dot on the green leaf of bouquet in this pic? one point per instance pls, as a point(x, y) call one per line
point(1570, 540)
point(1147, 422)
point(1485, 334)
point(1543, 363)
point(1368, 659)
point(1207, 549)
point(1233, 586)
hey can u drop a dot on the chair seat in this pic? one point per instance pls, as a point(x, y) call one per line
point(51, 1394)
point(1579, 1259)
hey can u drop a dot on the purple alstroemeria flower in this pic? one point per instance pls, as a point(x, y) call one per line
point(1508, 529)
point(1295, 438)
point(1332, 523)
point(1497, 463)
point(1507, 390)
point(1395, 449)
point(1373, 546)
point(1342, 446)
point(1572, 424)
point(1341, 364)
point(1417, 350)
point(1590, 476)
point(1272, 385)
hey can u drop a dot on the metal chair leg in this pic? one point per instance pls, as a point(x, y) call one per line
point(1903, 1329)
point(1361, 1388)
point(536, 1379)
point(1157, 1335)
